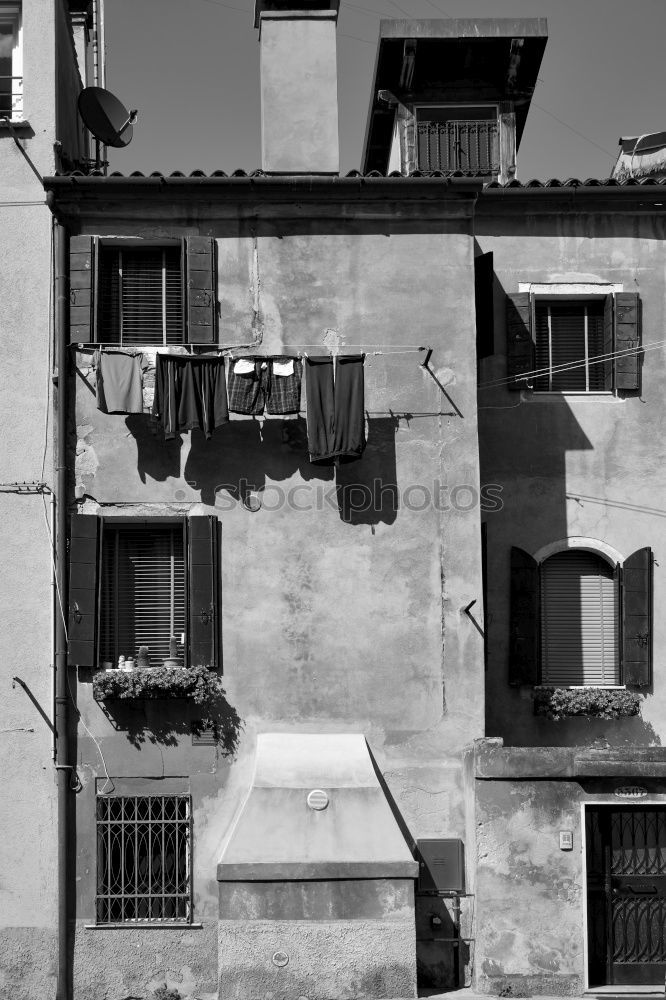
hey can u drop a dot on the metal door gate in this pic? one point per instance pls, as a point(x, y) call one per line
point(626, 895)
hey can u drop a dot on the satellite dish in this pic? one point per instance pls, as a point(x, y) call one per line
point(107, 119)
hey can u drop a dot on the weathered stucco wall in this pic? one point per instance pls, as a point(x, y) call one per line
point(27, 827)
point(334, 619)
point(530, 892)
point(569, 464)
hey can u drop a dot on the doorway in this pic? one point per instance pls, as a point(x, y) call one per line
point(626, 895)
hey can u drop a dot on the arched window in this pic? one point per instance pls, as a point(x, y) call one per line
point(579, 620)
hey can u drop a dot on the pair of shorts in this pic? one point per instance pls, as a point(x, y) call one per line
point(273, 383)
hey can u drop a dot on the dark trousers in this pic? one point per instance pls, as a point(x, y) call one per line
point(335, 409)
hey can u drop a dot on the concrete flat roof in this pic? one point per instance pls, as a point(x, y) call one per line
point(466, 27)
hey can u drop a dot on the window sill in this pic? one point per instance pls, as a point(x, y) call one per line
point(548, 396)
point(155, 926)
point(7, 126)
point(580, 687)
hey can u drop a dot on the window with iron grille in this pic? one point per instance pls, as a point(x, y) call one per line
point(11, 62)
point(143, 859)
point(140, 295)
point(142, 590)
point(465, 139)
point(569, 347)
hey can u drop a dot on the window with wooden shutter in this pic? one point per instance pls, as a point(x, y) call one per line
point(140, 295)
point(579, 620)
point(143, 593)
point(563, 344)
point(569, 340)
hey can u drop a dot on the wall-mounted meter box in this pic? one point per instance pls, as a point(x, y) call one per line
point(441, 865)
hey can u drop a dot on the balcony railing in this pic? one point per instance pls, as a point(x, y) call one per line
point(11, 97)
point(469, 146)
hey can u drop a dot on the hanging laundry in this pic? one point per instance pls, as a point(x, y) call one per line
point(335, 409)
point(258, 382)
point(190, 391)
point(120, 382)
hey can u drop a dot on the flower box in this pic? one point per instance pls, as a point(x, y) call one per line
point(590, 702)
point(198, 684)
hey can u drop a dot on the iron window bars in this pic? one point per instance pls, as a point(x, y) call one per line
point(466, 145)
point(11, 80)
point(144, 859)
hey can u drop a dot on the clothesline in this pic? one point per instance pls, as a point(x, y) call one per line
point(247, 351)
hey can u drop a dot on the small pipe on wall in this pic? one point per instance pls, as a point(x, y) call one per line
point(63, 765)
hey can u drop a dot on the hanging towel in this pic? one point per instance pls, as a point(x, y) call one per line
point(335, 410)
point(273, 383)
point(190, 392)
point(119, 382)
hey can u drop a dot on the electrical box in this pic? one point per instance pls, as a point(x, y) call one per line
point(441, 865)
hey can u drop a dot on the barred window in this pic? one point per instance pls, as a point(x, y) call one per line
point(464, 138)
point(11, 59)
point(143, 859)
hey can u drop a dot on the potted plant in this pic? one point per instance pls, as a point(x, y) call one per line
point(173, 659)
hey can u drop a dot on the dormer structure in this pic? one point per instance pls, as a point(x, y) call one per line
point(452, 95)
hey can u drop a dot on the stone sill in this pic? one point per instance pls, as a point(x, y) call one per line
point(146, 926)
point(493, 761)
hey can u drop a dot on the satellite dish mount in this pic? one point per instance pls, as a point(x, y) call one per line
point(107, 120)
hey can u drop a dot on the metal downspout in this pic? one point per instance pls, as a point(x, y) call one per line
point(63, 765)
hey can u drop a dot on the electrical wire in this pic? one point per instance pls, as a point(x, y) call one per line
point(570, 366)
point(49, 350)
point(53, 566)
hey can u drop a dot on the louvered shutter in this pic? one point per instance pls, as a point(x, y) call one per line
point(140, 295)
point(200, 280)
point(524, 622)
point(143, 590)
point(519, 340)
point(579, 620)
point(637, 618)
point(82, 288)
point(627, 339)
point(483, 299)
point(608, 342)
point(83, 561)
point(203, 574)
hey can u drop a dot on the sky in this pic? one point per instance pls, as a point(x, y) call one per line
point(192, 70)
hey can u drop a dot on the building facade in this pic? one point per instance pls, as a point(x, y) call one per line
point(393, 713)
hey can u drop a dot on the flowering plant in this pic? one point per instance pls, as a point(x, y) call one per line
point(600, 703)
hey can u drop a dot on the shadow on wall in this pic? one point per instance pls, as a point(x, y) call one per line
point(246, 456)
point(165, 722)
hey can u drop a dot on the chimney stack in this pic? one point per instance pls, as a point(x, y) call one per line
point(299, 86)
